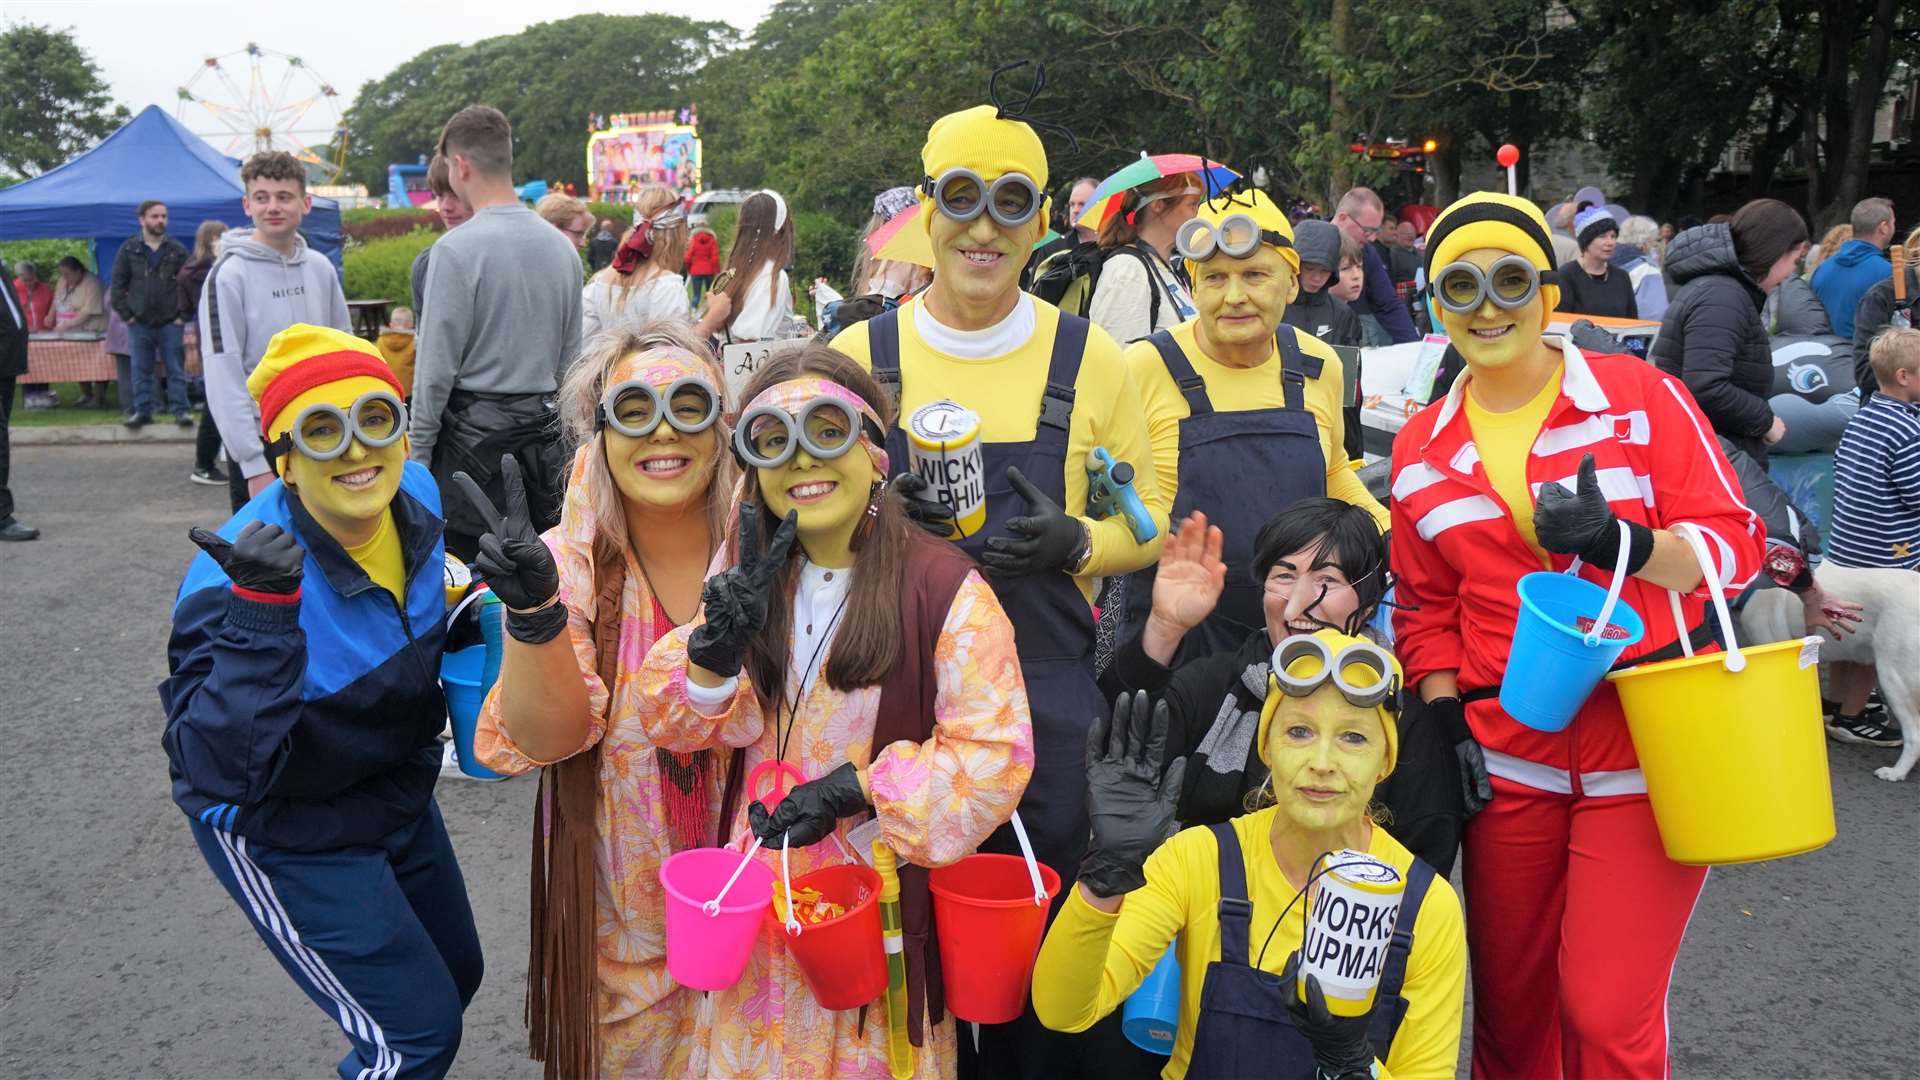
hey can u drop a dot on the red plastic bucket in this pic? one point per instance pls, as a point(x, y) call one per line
point(989, 931)
point(843, 960)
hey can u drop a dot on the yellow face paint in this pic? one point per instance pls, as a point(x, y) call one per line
point(1241, 301)
point(1326, 756)
point(978, 262)
point(667, 469)
point(348, 494)
point(831, 497)
point(1516, 331)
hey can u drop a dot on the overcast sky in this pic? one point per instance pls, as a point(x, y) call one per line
point(147, 50)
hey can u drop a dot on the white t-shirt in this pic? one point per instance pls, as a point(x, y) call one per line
point(991, 343)
point(818, 611)
point(760, 316)
point(660, 296)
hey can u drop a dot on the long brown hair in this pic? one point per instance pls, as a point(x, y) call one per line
point(1123, 227)
point(757, 247)
point(206, 239)
point(867, 645)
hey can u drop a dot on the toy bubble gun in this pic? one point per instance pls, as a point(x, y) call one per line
point(899, 1048)
point(1110, 491)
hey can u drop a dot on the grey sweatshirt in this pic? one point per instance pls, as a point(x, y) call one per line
point(251, 294)
point(505, 317)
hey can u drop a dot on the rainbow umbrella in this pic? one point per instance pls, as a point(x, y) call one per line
point(903, 239)
point(1106, 198)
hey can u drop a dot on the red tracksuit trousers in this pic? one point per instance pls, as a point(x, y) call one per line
point(1574, 918)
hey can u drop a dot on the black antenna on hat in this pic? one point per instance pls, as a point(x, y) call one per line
point(1007, 110)
point(1218, 193)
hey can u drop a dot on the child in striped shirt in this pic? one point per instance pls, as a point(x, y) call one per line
point(1876, 469)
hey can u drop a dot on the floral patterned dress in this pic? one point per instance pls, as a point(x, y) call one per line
point(647, 1021)
point(935, 801)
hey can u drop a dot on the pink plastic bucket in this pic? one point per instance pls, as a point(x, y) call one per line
point(709, 951)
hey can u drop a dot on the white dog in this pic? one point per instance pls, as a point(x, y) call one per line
point(1887, 637)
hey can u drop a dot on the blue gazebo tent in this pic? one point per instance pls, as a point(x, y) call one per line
point(96, 195)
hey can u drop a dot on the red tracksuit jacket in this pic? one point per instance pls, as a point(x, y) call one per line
point(1458, 557)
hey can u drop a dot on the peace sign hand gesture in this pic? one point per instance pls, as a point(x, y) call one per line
point(735, 600)
point(513, 559)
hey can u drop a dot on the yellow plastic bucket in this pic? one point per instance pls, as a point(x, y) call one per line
point(1731, 745)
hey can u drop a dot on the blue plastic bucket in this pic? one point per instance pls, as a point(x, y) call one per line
point(1551, 669)
point(1151, 1016)
point(462, 675)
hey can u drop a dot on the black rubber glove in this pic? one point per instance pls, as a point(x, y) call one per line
point(1581, 523)
point(810, 810)
point(1593, 339)
point(925, 511)
point(1475, 787)
point(513, 560)
point(263, 557)
point(1130, 802)
point(735, 599)
point(1043, 541)
point(1340, 1045)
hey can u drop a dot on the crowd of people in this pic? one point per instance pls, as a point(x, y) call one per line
point(707, 572)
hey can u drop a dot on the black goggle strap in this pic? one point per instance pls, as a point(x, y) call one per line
point(1492, 212)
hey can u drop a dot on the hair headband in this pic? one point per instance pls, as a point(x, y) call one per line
point(779, 208)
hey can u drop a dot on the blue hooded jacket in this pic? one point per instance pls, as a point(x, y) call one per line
point(312, 723)
point(1845, 277)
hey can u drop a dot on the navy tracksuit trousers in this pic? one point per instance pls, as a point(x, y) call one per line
point(381, 937)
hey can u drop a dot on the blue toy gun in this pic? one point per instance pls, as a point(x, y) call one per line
point(1110, 491)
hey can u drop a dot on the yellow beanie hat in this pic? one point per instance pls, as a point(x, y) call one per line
point(309, 365)
point(1488, 219)
point(1335, 642)
point(980, 140)
point(1264, 213)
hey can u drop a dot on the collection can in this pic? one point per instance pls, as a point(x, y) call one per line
point(1351, 911)
point(943, 448)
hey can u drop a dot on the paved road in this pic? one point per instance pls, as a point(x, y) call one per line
point(123, 958)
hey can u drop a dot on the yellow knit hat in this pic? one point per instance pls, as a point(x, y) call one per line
point(1264, 213)
point(308, 365)
point(1335, 642)
point(1488, 219)
point(980, 140)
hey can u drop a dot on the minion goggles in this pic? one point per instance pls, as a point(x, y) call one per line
point(768, 436)
point(1511, 282)
point(633, 408)
point(1237, 236)
point(959, 193)
point(1384, 691)
point(323, 431)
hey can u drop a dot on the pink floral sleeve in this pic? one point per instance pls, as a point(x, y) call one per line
point(672, 722)
point(937, 800)
point(491, 743)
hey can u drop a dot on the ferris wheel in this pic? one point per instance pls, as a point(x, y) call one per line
point(256, 99)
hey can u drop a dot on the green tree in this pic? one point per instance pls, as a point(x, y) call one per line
point(546, 78)
point(56, 103)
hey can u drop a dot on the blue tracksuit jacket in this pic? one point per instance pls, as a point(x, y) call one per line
point(311, 724)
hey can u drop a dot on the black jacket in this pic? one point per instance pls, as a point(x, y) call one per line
point(1712, 338)
point(13, 332)
point(1325, 316)
point(145, 291)
point(1875, 312)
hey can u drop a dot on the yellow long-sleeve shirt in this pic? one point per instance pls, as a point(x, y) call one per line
point(1006, 392)
point(1242, 390)
point(1092, 961)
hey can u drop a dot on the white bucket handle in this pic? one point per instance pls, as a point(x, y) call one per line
point(1033, 864)
point(712, 907)
point(1613, 589)
point(1734, 660)
point(472, 595)
point(786, 879)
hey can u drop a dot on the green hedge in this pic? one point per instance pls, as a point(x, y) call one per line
point(382, 269)
point(44, 254)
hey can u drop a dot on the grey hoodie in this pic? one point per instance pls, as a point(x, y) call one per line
point(251, 294)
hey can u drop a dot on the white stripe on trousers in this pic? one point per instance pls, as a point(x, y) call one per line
point(353, 1019)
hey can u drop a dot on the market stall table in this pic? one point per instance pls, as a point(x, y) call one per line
point(56, 357)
